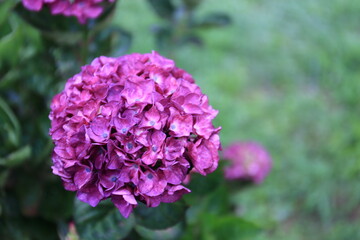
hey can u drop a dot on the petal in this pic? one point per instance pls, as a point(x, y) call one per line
point(82, 176)
point(151, 185)
point(90, 194)
point(124, 207)
point(180, 126)
point(138, 91)
point(34, 5)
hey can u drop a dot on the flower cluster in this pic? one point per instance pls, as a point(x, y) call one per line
point(131, 129)
point(81, 9)
point(249, 161)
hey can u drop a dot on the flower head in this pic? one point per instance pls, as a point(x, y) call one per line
point(81, 9)
point(131, 129)
point(248, 161)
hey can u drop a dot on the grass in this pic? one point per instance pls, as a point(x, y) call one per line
point(285, 73)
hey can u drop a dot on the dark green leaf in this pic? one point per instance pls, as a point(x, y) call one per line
point(52, 207)
point(171, 233)
point(227, 227)
point(4, 173)
point(214, 20)
point(8, 124)
point(164, 8)
point(217, 202)
point(29, 191)
point(112, 41)
point(27, 229)
point(16, 158)
point(164, 216)
point(191, 4)
point(104, 222)
point(201, 185)
point(10, 42)
point(5, 9)
point(163, 37)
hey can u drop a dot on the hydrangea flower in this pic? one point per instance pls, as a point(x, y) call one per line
point(131, 129)
point(81, 9)
point(248, 161)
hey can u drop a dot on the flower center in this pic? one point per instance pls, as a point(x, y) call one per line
point(154, 148)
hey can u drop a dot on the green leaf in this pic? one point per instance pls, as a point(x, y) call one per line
point(191, 4)
point(57, 203)
point(112, 41)
point(29, 191)
point(164, 216)
point(163, 8)
point(214, 20)
point(201, 185)
point(16, 158)
point(228, 227)
point(5, 9)
point(104, 222)
point(9, 124)
point(9, 77)
point(167, 234)
point(4, 173)
point(217, 202)
point(163, 37)
point(10, 42)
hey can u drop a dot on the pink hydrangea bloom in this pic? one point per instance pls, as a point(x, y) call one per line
point(81, 9)
point(249, 161)
point(131, 129)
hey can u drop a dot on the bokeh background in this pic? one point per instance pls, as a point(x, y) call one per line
point(283, 73)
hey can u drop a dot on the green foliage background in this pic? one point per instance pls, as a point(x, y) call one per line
point(284, 73)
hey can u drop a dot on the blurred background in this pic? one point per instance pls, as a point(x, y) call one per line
point(281, 72)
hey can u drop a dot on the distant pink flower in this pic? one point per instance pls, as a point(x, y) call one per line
point(249, 161)
point(131, 129)
point(81, 9)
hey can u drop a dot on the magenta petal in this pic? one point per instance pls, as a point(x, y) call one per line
point(162, 62)
point(59, 7)
point(125, 208)
point(175, 174)
point(138, 91)
point(152, 118)
point(174, 148)
point(100, 90)
point(99, 129)
point(99, 126)
point(34, 5)
point(114, 93)
point(90, 194)
point(124, 200)
point(174, 193)
point(204, 156)
point(181, 126)
point(151, 185)
point(82, 176)
point(93, 12)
